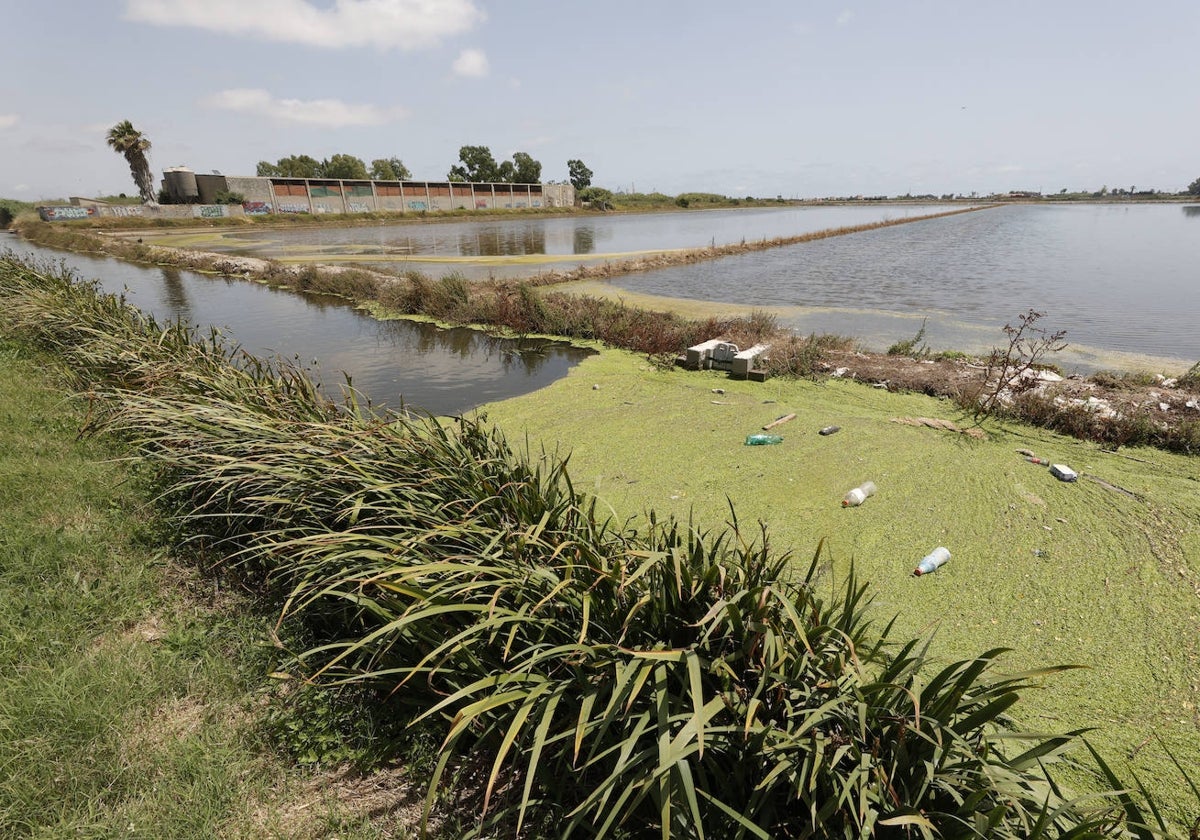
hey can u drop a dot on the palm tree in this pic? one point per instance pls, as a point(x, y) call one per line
point(131, 143)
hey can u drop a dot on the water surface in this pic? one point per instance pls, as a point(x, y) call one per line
point(516, 247)
point(1118, 278)
point(398, 364)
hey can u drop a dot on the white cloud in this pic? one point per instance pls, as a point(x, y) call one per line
point(331, 113)
point(21, 188)
point(471, 63)
point(8, 120)
point(407, 24)
point(845, 17)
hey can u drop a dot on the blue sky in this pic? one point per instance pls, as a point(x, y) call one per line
point(801, 98)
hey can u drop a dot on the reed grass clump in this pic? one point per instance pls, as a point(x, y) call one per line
point(651, 679)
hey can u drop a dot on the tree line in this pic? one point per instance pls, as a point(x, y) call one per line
point(475, 164)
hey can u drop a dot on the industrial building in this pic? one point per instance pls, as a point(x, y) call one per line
point(324, 195)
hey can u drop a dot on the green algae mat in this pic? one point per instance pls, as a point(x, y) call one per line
point(1103, 573)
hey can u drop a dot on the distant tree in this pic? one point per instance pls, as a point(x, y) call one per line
point(596, 197)
point(475, 164)
point(1194, 187)
point(344, 167)
point(229, 197)
point(131, 143)
point(505, 172)
point(298, 166)
point(266, 169)
point(580, 175)
point(389, 169)
point(6, 217)
point(526, 170)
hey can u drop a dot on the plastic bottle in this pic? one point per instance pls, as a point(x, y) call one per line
point(762, 440)
point(859, 494)
point(1041, 461)
point(932, 561)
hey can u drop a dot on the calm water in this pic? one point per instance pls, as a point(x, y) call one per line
point(398, 364)
point(1121, 279)
point(504, 248)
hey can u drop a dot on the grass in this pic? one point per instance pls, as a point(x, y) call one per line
point(132, 685)
point(599, 663)
point(480, 588)
point(1079, 573)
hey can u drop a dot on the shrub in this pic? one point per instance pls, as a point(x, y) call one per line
point(658, 680)
point(912, 347)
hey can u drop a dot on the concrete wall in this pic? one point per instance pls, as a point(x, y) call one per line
point(324, 196)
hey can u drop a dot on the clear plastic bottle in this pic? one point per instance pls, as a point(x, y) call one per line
point(932, 561)
point(859, 494)
point(762, 440)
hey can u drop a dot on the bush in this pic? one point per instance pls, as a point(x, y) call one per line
point(658, 680)
point(913, 348)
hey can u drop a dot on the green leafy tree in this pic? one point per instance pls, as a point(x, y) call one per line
point(580, 175)
point(344, 167)
point(389, 169)
point(128, 141)
point(596, 197)
point(266, 169)
point(475, 164)
point(526, 170)
point(1194, 187)
point(298, 166)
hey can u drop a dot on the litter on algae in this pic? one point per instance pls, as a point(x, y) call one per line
point(763, 440)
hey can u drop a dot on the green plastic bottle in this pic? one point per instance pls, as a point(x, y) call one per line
point(762, 440)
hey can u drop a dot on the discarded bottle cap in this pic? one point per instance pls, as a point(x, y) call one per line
point(829, 430)
point(932, 561)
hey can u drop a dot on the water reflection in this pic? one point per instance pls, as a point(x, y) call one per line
point(175, 293)
point(585, 240)
point(395, 364)
point(494, 241)
point(1191, 210)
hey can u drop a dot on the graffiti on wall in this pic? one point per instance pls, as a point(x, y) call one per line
point(417, 205)
point(292, 207)
point(358, 207)
point(208, 211)
point(256, 208)
point(57, 214)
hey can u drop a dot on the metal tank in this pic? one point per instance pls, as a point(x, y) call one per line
point(181, 184)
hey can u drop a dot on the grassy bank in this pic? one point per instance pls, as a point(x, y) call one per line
point(1103, 573)
point(646, 677)
point(134, 696)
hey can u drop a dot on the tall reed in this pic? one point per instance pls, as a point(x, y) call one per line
point(636, 679)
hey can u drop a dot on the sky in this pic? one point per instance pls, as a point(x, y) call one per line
point(795, 98)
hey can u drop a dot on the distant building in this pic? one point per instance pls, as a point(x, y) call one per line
point(326, 195)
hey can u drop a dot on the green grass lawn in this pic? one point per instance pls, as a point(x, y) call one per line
point(1103, 573)
point(132, 688)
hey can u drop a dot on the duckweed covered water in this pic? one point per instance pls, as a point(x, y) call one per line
point(1103, 573)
